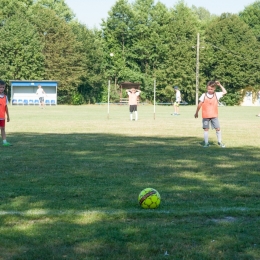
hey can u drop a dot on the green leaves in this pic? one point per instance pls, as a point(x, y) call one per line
point(151, 41)
point(59, 7)
point(91, 51)
point(40, 40)
point(251, 16)
point(63, 61)
point(20, 50)
point(232, 53)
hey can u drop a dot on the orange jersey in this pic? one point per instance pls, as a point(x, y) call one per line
point(210, 106)
point(2, 107)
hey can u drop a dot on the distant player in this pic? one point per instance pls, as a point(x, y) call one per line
point(177, 101)
point(40, 92)
point(133, 96)
point(209, 103)
point(3, 111)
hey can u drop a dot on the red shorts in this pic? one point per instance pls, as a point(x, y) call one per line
point(2, 123)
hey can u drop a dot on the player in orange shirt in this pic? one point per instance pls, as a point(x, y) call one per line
point(3, 112)
point(209, 104)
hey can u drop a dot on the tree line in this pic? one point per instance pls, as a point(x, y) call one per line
point(42, 40)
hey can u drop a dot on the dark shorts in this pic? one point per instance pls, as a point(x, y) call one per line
point(133, 108)
point(2, 123)
point(41, 99)
point(213, 121)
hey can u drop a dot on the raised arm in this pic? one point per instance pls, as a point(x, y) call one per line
point(222, 88)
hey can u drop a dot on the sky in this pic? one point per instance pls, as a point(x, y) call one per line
point(91, 12)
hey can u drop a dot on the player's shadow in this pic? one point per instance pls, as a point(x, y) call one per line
point(73, 174)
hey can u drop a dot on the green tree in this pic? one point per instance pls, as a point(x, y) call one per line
point(20, 50)
point(9, 8)
point(91, 51)
point(179, 67)
point(251, 16)
point(204, 16)
point(59, 7)
point(149, 41)
point(63, 60)
point(232, 55)
point(116, 31)
point(149, 49)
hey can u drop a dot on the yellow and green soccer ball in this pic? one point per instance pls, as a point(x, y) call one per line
point(149, 198)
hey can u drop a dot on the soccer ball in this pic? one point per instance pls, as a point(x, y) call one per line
point(149, 198)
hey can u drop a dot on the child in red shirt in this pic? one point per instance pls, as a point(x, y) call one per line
point(3, 111)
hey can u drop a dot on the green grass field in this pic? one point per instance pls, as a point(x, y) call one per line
point(70, 182)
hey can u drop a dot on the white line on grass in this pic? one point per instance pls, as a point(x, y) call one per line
point(43, 212)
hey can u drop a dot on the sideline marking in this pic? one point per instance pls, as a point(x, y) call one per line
point(42, 212)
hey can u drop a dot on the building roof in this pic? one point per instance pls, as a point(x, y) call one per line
point(27, 83)
point(128, 85)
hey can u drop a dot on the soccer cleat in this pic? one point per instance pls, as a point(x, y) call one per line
point(7, 144)
point(206, 145)
point(221, 145)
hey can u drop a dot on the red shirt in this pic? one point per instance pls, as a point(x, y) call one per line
point(3, 104)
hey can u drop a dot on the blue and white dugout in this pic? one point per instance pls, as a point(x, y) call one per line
point(23, 92)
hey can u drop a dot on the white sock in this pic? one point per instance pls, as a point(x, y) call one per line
point(218, 133)
point(206, 137)
point(136, 115)
point(4, 141)
point(131, 116)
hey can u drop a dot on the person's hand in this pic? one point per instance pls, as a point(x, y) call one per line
point(8, 119)
point(217, 83)
point(196, 115)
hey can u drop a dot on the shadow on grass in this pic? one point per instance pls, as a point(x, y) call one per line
point(75, 196)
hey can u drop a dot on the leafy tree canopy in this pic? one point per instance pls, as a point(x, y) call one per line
point(59, 7)
point(63, 60)
point(20, 50)
point(12, 7)
point(251, 16)
point(232, 51)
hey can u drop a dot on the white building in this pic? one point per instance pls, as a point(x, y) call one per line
point(249, 100)
point(23, 92)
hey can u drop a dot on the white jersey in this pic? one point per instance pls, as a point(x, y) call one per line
point(40, 92)
point(218, 94)
point(178, 96)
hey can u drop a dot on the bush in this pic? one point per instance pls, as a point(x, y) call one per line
point(77, 99)
point(232, 99)
point(62, 99)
